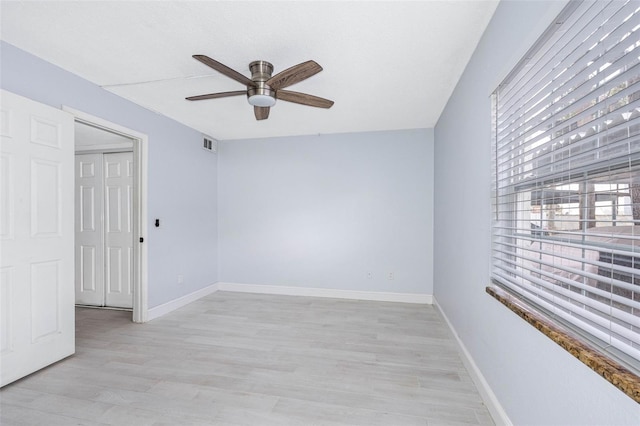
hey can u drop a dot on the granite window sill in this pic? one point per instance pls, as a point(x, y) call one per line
point(612, 371)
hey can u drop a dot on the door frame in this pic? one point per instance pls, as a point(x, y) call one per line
point(140, 160)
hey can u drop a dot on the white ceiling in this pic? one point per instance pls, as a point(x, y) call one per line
point(388, 65)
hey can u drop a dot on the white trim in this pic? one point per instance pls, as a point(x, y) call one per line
point(98, 122)
point(119, 147)
point(140, 252)
point(140, 227)
point(420, 298)
point(160, 310)
point(500, 416)
point(165, 308)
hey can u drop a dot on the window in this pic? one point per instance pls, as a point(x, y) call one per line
point(566, 230)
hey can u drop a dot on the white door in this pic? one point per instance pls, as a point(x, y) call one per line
point(89, 230)
point(36, 231)
point(104, 229)
point(118, 184)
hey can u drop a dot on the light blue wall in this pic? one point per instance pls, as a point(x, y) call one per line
point(322, 211)
point(536, 381)
point(182, 176)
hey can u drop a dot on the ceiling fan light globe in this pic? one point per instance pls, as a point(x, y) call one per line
point(262, 100)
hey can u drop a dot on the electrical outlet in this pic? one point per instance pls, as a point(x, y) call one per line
point(369, 275)
point(180, 279)
point(389, 275)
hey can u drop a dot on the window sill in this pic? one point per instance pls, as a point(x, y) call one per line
point(616, 374)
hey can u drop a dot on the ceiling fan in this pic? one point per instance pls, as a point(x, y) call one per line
point(263, 89)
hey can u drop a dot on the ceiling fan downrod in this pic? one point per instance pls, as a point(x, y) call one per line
point(261, 95)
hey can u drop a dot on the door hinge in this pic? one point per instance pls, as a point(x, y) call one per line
point(141, 240)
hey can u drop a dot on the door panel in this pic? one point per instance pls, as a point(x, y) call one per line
point(45, 285)
point(36, 233)
point(88, 270)
point(45, 198)
point(119, 233)
point(6, 284)
point(89, 250)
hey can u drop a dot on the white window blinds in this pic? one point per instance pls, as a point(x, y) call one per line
point(566, 230)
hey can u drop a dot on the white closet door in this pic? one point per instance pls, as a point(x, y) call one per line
point(118, 178)
point(36, 237)
point(89, 230)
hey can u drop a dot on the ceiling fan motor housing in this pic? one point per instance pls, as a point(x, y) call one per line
point(261, 94)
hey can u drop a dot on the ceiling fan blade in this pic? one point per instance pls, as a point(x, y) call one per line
point(303, 98)
point(294, 75)
point(216, 95)
point(262, 113)
point(221, 68)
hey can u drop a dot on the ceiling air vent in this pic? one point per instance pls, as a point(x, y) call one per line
point(210, 144)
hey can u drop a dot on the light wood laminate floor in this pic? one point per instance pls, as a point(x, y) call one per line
point(248, 359)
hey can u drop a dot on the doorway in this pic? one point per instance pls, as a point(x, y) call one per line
point(118, 157)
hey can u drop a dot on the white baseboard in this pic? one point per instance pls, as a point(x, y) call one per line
point(160, 310)
point(165, 308)
point(488, 397)
point(420, 298)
